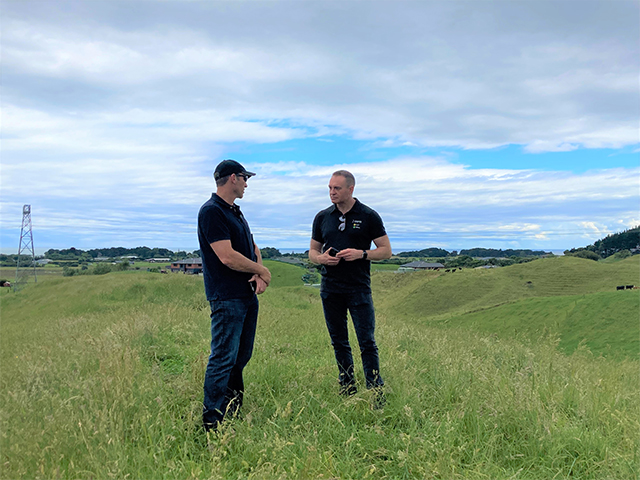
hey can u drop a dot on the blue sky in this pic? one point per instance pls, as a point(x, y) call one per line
point(467, 124)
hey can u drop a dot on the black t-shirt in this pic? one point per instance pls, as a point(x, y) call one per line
point(362, 225)
point(217, 220)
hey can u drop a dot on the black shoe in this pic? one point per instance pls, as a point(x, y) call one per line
point(210, 427)
point(348, 390)
point(379, 399)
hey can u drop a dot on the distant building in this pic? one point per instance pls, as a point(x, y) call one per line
point(43, 261)
point(409, 267)
point(102, 259)
point(158, 260)
point(189, 265)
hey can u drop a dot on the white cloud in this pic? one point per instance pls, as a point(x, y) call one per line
point(415, 196)
point(129, 132)
point(593, 229)
point(105, 105)
point(441, 80)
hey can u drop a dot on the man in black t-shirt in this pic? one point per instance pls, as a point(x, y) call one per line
point(233, 275)
point(341, 243)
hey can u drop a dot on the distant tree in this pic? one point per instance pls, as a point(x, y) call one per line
point(426, 252)
point(499, 253)
point(394, 261)
point(587, 254)
point(463, 261)
point(613, 243)
point(68, 272)
point(310, 278)
point(582, 252)
point(270, 252)
point(67, 254)
point(624, 240)
point(122, 266)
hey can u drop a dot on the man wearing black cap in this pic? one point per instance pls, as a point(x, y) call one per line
point(233, 275)
point(341, 242)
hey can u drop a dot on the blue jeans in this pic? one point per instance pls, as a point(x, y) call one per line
point(233, 329)
point(360, 305)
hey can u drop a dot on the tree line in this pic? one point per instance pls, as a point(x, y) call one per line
point(622, 244)
point(473, 252)
point(144, 253)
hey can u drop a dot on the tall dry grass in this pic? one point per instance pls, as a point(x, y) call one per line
point(101, 377)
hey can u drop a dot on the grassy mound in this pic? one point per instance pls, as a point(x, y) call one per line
point(605, 322)
point(573, 298)
point(102, 378)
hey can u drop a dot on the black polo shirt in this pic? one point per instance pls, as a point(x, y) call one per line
point(362, 226)
point(217, 220)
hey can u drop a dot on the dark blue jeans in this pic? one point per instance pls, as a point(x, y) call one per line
point(233, 329)
point(360, 305)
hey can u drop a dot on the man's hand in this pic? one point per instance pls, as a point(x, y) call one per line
point(265, 275)
point(349, 254)
point(317, 257)
point(261, 285)
point(326, 259)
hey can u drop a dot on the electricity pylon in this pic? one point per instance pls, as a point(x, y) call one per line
point(26, 246)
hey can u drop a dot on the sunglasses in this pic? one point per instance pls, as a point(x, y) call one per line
point(343, 223)
point(244, 177)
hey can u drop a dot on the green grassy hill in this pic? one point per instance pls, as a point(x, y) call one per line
point(101, 377)
point(39, 311)
point(606, 322)
point(553, 295)
point(436, 293)
point(285, 274)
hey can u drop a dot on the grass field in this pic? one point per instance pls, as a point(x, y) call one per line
point(101, 377)
point(385, 267)
point(9, 273)
point(571, 298)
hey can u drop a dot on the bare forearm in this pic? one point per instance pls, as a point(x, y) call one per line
point(236, 261)
point(258, 254)
point(380, 253)
point(313, 256)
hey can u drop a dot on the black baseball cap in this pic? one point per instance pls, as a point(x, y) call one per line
point(227, 167)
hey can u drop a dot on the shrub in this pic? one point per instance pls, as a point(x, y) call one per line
point(68, 272)
point(587, 254)
point(310, 278)
point(622, 254)
point(101, 269)
point(122, 266)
